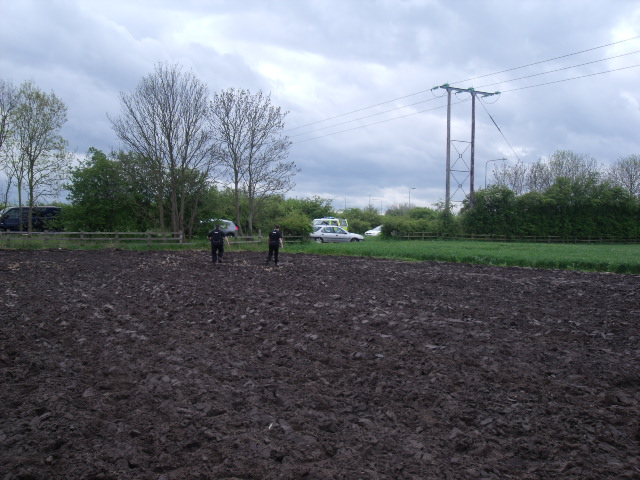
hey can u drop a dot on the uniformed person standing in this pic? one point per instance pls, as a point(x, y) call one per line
point(217, 239)
point(275, 243)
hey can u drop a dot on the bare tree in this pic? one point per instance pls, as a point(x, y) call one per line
point(563, 163)
point(538, 177)
point(9, 100)
point(514, 177)
point(249, 129)
point(567, 164)
point(42, 152)
point(165, 122)
point(626, 173)
point(14, 168)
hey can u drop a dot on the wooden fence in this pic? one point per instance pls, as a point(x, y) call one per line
point(11, 239)
point(504, 238)
point(55, 239)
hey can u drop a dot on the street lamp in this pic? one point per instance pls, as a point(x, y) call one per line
point(412, 188)
point(345, 201)
point(485, 168)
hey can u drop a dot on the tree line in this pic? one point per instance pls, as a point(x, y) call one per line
point(566, 195)
point(190, 157)
point(179, 141)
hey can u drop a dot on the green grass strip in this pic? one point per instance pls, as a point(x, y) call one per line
point(614, 258)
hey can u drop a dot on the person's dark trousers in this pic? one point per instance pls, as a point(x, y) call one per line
point(216, 252)
point(273, 252)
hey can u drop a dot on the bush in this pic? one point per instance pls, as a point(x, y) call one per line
point(295, 224)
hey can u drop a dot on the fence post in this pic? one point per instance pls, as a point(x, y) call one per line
point(148, 237)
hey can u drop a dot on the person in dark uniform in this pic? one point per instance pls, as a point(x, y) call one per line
point(275, 243)
point(217, 239)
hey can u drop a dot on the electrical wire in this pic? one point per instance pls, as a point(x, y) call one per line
point(545, 61)
point(572, 78)
point(500, 130)
point(455, 103)
point(377, 123)
point(470, 79)
point(559, 69)
point(362, 118)
point(356, 111)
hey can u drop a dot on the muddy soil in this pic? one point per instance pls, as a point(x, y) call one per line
point(163, 366)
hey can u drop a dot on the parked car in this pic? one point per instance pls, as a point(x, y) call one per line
point(374, 232)
point(42, 218)
point(227, 226)
point(334, 234)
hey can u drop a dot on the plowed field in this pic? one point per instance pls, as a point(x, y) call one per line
point(159, 365)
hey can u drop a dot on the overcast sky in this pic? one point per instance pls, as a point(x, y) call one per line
point(356, 78)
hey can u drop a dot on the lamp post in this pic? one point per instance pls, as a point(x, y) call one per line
point(412, 188)
point(485, 168)
point(345, 201)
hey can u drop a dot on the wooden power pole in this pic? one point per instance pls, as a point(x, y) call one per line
point(473, 94)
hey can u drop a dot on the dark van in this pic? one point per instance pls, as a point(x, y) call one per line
point(41, 219)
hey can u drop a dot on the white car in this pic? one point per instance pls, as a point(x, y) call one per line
point(334, 234)
point(374, 232)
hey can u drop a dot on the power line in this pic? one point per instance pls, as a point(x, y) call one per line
point(442, 106)
point(358, 110)
point(456, 103)
point(560, 69)
point(549, 60)
point(362, 118)
point(467, 80)
point(572, 78)
point(377, 123)
point(482, 86)
point(494, 122)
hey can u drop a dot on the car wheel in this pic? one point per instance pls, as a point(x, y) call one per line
point(355, 239)
point(319, 240)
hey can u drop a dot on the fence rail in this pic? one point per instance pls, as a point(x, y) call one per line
point(504, 238)
point(260, 238)
point(88, 238)
point(17, 239)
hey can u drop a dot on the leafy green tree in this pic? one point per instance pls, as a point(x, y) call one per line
point(293, 224)
point(311, 207)
point(361, 220)
point(100, 197)
point(422, 213)
point(492, 214)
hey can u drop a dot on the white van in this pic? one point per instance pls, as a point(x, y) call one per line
point(335, 222)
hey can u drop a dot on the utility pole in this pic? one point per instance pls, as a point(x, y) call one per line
point(473, 94)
